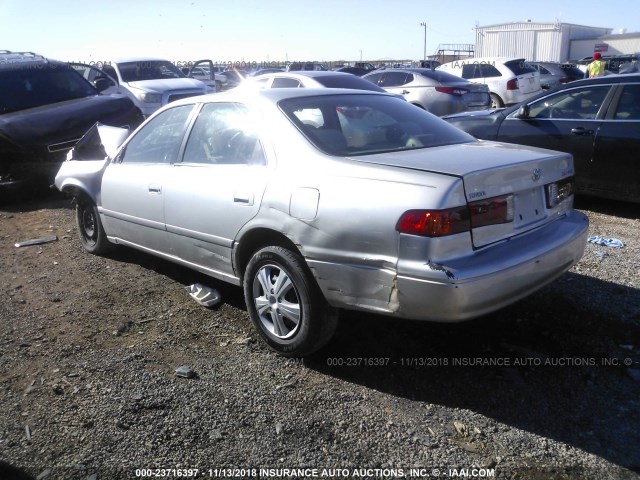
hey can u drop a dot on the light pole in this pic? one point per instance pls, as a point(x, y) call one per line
point(424, 24)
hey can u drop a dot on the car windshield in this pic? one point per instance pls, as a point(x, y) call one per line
point(148, 70)
point(349, 125)
point(346, 81)
point(29, 86)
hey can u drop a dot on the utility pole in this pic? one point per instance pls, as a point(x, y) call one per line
point(424, 24)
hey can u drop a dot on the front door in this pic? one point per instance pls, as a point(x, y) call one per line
point(133, 187)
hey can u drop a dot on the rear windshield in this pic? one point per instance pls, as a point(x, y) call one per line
point(349, 125)
point(519, 67)
point(29, 86)
point(440, 76)
point(346, 81)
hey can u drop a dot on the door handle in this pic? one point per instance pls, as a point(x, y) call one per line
point(581, 131)
point(243, 198)
point(406, 92)
point(153, 188)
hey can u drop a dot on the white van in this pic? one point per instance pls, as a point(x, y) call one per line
point(510, 80)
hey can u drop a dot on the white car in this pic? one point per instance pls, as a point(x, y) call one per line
point(150, 82)
point(510, 80)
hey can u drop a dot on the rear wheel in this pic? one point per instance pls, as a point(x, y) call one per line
point(496, 101)
point(90, 229)
point(285, 304)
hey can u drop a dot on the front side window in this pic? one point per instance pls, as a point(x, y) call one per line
point(471, 70)
point(575, 104)
point(393, 79)
point(282, 82)
point(224, 133)
point(159, 140)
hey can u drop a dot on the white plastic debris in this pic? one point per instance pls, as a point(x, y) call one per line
point(606, 242)
point(205, 296)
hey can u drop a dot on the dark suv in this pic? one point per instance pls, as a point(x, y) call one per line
point(45, 107)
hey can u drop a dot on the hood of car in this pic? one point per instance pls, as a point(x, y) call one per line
point(53, 125)
point(164, 84)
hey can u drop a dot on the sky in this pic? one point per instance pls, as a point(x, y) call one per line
point(235, 31)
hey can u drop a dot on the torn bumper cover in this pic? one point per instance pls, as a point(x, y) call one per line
point(464, 288)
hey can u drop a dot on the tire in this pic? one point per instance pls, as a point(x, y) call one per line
point(496, 101)
point(90, 230)
point(285, 303)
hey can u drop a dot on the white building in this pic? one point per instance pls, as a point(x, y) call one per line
point(542, 42)
point(621, 44)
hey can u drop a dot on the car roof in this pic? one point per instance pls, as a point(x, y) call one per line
point(620, 78)
point(9, 60)
point(139, 59)
point(308, 74)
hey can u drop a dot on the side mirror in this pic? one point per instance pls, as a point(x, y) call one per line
point(102, 84)
point(523, 112)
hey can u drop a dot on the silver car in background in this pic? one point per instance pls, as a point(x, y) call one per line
point(310, 79)
point(375, 205)
point(438, 92)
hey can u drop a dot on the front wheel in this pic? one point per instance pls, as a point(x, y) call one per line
point(285, 304)
point(90, 229)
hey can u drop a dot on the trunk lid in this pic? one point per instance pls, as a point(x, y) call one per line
point(491, 169)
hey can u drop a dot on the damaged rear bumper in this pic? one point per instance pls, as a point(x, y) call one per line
point(465, 288)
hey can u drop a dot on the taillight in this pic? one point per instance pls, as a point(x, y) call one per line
point(491, 211)
point(434, 223)
point(557, 192)
point(457, 91)
point(440, 223)
point(512, 84)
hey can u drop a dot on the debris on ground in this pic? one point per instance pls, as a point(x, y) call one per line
point(37, 241)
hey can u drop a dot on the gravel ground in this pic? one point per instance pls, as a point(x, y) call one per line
point(89, 347)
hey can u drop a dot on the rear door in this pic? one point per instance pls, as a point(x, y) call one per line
point(615, 167)
point(567, 121)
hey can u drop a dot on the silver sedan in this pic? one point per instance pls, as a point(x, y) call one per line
point(438, 92)
point(315, 200)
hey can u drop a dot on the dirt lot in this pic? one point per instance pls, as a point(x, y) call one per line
point(546, 388)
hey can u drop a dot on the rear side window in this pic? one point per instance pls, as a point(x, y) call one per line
point(479, 70)
point(629, 104)
point(519, 67)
